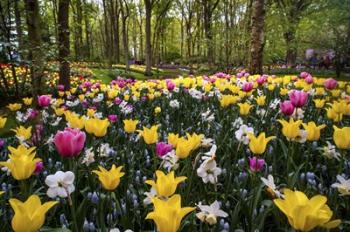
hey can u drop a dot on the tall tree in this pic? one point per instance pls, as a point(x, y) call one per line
point(257, 37)
point(63, 43)
point(125, 15)
point(292, 12)
point(148, 53)
point(35, 55)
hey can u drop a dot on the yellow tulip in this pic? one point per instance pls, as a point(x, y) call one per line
point(59, 111)
point(166, 184)
point(334, 115)
point(22, 132)
point(150, 135)
point(96, 126)
point(260, 100)
point(284, 91)
point(22, 162)
point(227, 100)
point(306, 214)
point(14, 107)
point(74, 120)
point(291, 129)
point(258, 144)
point(29, 215)
point(195, 140)
point(313, 131)
point(173, 139)
point(319, 103)
point(341, 137)
point(27, 100)
point(168, 214)
point(109, 179)
point(2, 122)
point(130, 125)
point(244, 108)
point(185, 146)
point(157, 110)
point(91, 113)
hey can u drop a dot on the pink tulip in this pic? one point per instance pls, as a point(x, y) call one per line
point(247, 87)
point(60, 87)
point(256, 165)
point(170, 85)
point(69, 142)
point(330, 83)
point(163, 148)
point(287, 108)
point(298, 98)
point(309, 79)
point(44, 100)
point(303, 75)
point(261, 80)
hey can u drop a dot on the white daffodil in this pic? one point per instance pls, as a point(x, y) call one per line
point(60, 184)
point(208, 116)
point(207, 142)
point(343, 186)
point(170, 160)
point(105, 150)
point(174, 104)
point(330, 152)
point(208, 170)
point(242, 132)
point(270, 184)
point(298, 113)
point(89, 157)
point(149, 195)
point(209, 213)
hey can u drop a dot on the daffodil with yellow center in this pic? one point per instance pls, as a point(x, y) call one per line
point(313, 131)
point(341, 137)
point(168, 214)
point(150, 135)
point(23, 133)
point(244, 108)
point(166, 184)
point(306, 214)
point(290, 129)
point(22, 162)
point(2, 122)
point(29, 215)
point(14, 107)
point(97, 127)
point(130, 125)
point(109, 179)
point(257, 145)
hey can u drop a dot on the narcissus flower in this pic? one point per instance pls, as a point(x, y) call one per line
point(150, 135)
point(2, 122)
point(69, 142)
point(29, 215)
point(22, 162)
point(166, 184)
point(97, 127)
point(60, 184)
point(168, 214)
point(130, 125)
point(244, 108)
point(258, 144)
point(305, 214)
point(209, 213)
point(23, 133)
point(290, 129)
point(109, 179)
point(343, 186)
point(341, 137)
point(313, 131)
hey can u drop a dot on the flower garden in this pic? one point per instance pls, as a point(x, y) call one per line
point(209, 153)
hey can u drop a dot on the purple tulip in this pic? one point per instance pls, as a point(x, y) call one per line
point(256, 165)
point(70, 142)
point(261, 80)
point(112, 118)
point(309, 79)
point(163, 148)
point(287, 108)
point(44, 100)
point(330, 83)
point(170, 85)
point(298, 98)
point(303, 75)
point(60, 87)
point(2, 144)
point(247, 86)
point(39, 167)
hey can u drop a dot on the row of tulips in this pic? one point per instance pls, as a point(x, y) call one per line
point(208, 153)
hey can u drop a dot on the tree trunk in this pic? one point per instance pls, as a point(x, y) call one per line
point(34, 46)
point(18, 26)
point(63, 43)
point(125, 14)
point(87, 33)
point(79, 29)
point(257, 37)
point(291, 52)
point(116, 32)
point(148, 8)
point(141, 51)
